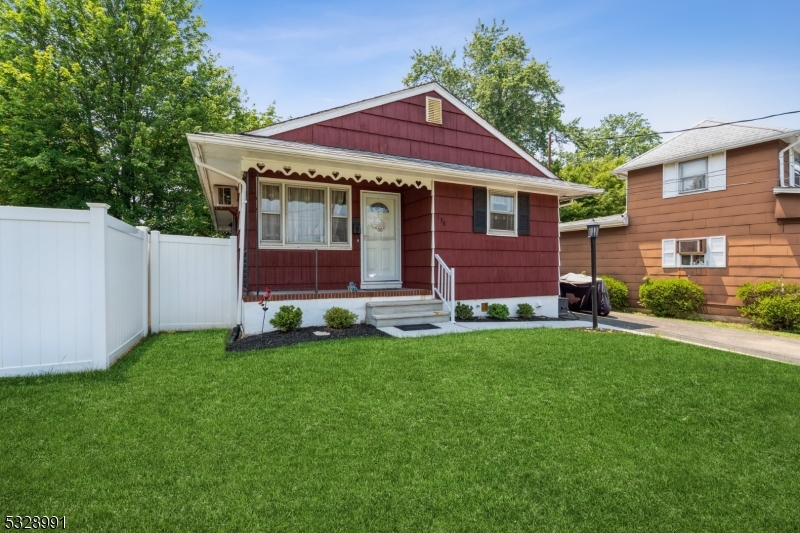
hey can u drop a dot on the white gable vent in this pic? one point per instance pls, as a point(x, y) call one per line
point(433, 110)
point(224, 197)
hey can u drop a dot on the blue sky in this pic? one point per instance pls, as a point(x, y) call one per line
point(676, 62)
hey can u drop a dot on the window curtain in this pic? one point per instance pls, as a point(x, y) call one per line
point(305, 216)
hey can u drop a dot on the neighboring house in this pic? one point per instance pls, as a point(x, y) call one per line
point(389, 193)
point(718, 204)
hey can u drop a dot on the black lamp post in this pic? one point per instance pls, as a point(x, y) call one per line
point(594, 230)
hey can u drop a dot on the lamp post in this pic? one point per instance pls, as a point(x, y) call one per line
point(594, 230)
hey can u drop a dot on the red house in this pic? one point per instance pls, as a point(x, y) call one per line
point(410, 199)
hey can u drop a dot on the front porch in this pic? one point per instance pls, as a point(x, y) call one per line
point(285, 296)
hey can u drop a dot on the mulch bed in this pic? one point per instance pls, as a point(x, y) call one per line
point(276, 339)
point(490, 319)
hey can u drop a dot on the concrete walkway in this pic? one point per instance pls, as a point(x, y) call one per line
point(752, 343)
point(466, 327)
point(744, 342)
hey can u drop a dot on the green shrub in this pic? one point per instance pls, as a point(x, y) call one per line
point(771, 304)
point(288, 318)
point(676, 298)
point(463, 311)
point(498, 311)
point(780, 312)
point(525, 311)
point(617, 292)
point(339, 318)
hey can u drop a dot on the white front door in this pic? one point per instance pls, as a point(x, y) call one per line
point(380, 240)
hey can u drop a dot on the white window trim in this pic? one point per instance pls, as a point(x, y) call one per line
point(680, 179)
point(705, 255)
point(327, 245)
point(515, 214)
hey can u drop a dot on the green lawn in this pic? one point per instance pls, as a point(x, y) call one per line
point(538, 430)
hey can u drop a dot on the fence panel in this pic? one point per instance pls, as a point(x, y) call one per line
point(45, 290)
point(193, 282)
point(126, 286)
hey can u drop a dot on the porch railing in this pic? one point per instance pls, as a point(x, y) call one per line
point(445, 286)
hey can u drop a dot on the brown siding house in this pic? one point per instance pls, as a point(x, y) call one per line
point(710, 205)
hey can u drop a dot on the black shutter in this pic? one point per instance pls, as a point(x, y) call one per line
point(523, 214)
point(478, 210)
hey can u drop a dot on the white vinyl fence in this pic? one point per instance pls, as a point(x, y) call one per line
point(73, 289)
point(78, 289)
point(193, 282)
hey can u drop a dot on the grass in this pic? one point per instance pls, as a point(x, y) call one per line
point(545, 430)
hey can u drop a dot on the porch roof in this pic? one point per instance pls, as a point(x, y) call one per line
point(235, 153)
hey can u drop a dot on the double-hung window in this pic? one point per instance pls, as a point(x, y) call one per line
point(502, 213)
point(300, 215)
point(693, 175)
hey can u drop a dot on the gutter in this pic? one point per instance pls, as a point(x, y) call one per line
point(242, 228)
point(613, 221)
point(535, 184)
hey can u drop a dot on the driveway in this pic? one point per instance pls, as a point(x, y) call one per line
point(752, 343)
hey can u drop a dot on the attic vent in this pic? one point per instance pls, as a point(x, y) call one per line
point(224, 196)
point(433, 110)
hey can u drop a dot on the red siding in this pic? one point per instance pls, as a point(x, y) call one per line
point(399, 128)
point(294, 269)
point(497, 267)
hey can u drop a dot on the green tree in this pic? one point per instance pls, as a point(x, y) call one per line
point(598, 152)
point(96, 97)
point(501, 81)
point(628, 135)
point(597, 173)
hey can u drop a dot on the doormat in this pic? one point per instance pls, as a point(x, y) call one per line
point(417, 327)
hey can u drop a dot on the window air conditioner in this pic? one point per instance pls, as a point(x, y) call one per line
point(224, 197)
point(694, 246)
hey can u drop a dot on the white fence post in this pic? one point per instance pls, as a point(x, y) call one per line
point(234, 279)
point(145, 278)
point(97, 251)
point(155, 277)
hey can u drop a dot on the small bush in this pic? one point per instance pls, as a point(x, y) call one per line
point(339, 318)
point(498, 311)
point(617, 292)
point(288, 318)
point(463, 311)
point(780, 312)
point(771, 304)
point(675, 298)
point(525, 311)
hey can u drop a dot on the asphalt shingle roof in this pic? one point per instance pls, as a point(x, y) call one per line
point(705, 138)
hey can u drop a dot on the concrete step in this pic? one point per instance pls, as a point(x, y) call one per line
point(381, 320)
point(394, 307)
point(379, 306)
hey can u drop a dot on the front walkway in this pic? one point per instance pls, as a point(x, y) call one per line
point(466, 327)
point(752, 343)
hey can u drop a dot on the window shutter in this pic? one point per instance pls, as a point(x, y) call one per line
point(716, 252)
point(479, 209)
point(523, 214)
point(717, 179)
point(670, 187)
point(669, 259)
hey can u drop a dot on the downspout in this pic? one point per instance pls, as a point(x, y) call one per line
point(242, 228)
point(791, 160)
